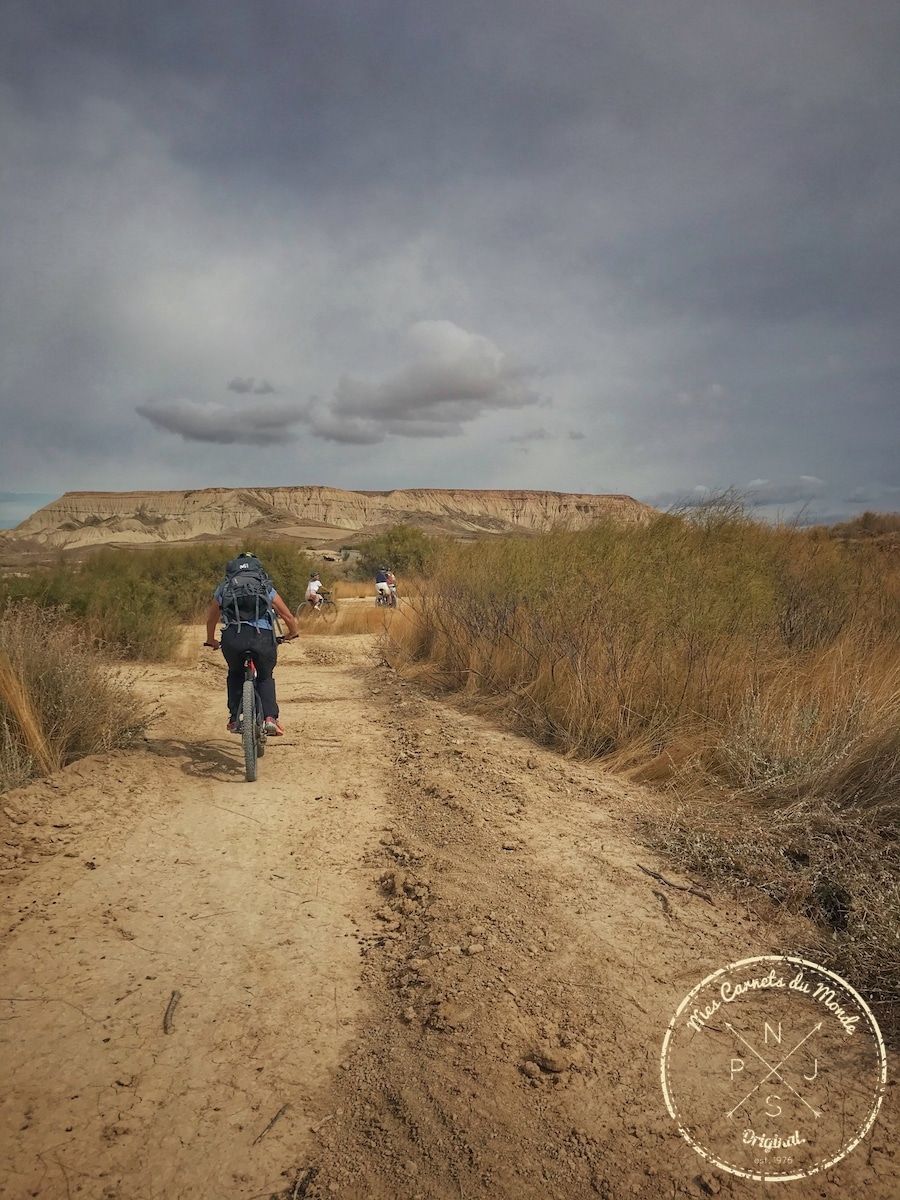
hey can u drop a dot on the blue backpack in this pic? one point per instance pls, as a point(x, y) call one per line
point(245, 591)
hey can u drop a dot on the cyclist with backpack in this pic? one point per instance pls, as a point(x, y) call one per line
point(382, 590)
point(248, 605)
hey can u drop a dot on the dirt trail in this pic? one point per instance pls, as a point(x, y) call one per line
point(418, 958)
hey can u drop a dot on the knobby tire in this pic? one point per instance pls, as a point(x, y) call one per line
point(248, 729)
point(329, 612)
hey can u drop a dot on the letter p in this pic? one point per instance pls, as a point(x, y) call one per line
point(737, 1065)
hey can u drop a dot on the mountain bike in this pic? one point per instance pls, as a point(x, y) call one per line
point(251, 720)
point(326, 610)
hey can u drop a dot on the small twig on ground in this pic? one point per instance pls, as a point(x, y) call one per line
point(301, 1185)
point(681, 887)
point(259, 1137)
point(167, 1019)
point(245, 816)
point(318, 1125)
point(65, 1176)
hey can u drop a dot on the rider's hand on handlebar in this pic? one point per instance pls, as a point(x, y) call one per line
point(213, 645)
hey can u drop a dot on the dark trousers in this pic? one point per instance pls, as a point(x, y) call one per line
point(235, 642)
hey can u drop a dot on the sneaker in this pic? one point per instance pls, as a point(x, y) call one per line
point(233, 725)
point(273, 729)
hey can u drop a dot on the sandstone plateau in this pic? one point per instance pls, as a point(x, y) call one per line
point(322, 515)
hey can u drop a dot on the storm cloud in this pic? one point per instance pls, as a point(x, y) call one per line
point(266, 423)
point(452, 378)
point(245, 387)
point(673, 226)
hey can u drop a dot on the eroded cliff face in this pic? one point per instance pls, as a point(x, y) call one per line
point(92, 518)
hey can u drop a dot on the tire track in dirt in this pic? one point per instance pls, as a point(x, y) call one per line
point(428, 937)
point(244, 898)
point(527, 972)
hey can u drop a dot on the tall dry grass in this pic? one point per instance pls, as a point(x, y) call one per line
point(752, 672)
point(59, 698)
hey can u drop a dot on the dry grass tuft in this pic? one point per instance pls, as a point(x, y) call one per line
point(59, 698)
point(14, 698)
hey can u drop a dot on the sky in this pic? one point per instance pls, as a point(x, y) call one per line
point(638, 246)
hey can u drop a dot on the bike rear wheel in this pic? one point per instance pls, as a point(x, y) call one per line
point(248, 729)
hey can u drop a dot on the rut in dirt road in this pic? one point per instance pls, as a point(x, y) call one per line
point(418, 959)
point(141, 875)
point(528, 970)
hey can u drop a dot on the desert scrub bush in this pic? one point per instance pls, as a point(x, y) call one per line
point(752, 671)
point(59, 699)
point(653, 635)
point(824, 858)
point(131, 601)
point(404, 547)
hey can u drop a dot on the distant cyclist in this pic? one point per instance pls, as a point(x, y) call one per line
point(382, 589)
point(247, 604)
point(392, 587)
point(315, 592)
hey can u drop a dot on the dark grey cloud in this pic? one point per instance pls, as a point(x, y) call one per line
point(530, 435)
point(777, 497)
point(249, 386)
point(264, 423)
point(684, 214)
point(887, 495)
point(452, 378)
point(760, 492)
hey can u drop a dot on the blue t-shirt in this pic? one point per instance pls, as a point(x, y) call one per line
point(262, 623)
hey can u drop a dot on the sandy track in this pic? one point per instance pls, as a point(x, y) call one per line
point(387, 934)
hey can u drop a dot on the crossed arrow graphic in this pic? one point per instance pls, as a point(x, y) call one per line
point(776, 1070)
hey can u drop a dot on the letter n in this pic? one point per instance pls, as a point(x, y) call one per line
point(767, 1029)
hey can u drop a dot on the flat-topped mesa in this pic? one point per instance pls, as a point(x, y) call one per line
point(92, 518)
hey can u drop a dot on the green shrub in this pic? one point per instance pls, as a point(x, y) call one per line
point(407, 550)
point(131, 601)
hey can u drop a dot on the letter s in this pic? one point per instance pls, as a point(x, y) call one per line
point(776, 1112)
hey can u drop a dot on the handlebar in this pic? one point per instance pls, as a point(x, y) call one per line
point(287, 637)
